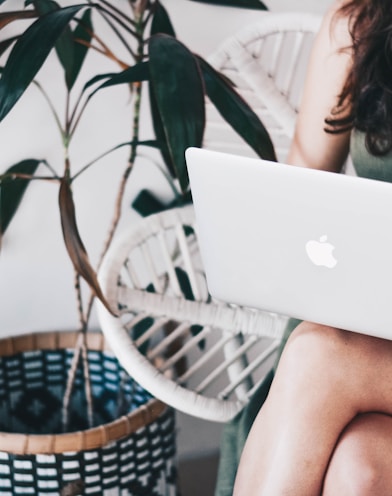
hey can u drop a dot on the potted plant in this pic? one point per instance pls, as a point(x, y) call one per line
point(249, 4)
point(150, 61)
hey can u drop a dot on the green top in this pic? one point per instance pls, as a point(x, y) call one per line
point(367, 165)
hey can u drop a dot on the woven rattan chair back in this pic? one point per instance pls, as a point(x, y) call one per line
point(212, 356)
point(267, 63)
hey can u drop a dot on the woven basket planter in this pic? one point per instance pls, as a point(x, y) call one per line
point(129, 452)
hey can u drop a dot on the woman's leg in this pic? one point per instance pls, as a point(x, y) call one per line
point(361, 464)
point(325, 378)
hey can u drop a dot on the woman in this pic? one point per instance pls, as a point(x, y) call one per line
point(326, 426)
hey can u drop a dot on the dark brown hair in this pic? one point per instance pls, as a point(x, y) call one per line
point(365, 102)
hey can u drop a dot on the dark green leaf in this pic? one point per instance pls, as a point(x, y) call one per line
point(29, 53)
point(146, 203)
point(12, 190)
point(161, 22)
point(136, 73)
point(248, 4)
point(151, 143)
point(237, 112)
point(185, 285)
point(71, 52)
point(139, 329)
point(178, 89)
point(64, 45)
point(74, 244)
point(99, 77)
point(83, 32)
point(7, 43)
point(160, 133)
point(195, 330)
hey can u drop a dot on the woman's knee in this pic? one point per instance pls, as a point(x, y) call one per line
point(315, 352)
point(361, 464)
point(309, 376)
point(337, 358)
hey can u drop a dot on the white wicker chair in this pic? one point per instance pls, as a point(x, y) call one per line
point(201, 356)
point(267, 62)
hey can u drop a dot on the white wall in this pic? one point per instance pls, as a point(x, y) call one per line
point(36, 282)
point(204, 27)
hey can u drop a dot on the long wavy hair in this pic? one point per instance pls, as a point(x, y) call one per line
point(365, 102)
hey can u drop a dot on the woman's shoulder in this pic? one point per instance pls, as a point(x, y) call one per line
point(337, 24)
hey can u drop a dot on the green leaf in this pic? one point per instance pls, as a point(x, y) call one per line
point(137, 73)
point(237, 112)
point(29, 53)
point(247, 4)
point(184, 283)
point(71, 52)
point(64, 45)
point(12, 189)
point(160, 133)
point(161, 22)
point(139, 329)
point(83, 32)
point(7, 43)
point(178, 89)
point(146, 203)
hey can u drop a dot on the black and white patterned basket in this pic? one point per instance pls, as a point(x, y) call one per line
point(130, 451)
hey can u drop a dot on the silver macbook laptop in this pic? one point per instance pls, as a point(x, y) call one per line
point(308, 244)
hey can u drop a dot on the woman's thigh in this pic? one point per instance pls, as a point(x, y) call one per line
point(361, 463)
point(358, 365)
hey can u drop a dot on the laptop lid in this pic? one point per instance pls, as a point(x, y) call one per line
point(304, 243)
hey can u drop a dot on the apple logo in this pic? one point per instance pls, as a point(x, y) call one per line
point(320, 252)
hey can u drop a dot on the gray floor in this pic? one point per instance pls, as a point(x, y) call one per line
point(198, 443)
point(197, 476)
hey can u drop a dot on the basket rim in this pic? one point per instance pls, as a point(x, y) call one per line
point(82, 440)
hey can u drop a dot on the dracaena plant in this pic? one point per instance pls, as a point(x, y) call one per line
point(153, 64)
point(248, 4)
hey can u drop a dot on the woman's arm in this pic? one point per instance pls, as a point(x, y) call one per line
point(327, 71)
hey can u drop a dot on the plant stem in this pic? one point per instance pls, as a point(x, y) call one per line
point(128, 169)
point(51, 106)
point(48, 166)
point(105, 15)
point(81, 349)
point(119, 14)
point(102, 155)
point(28, 177)
point(79, 353)
point(71, 379)
point(82, 320)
